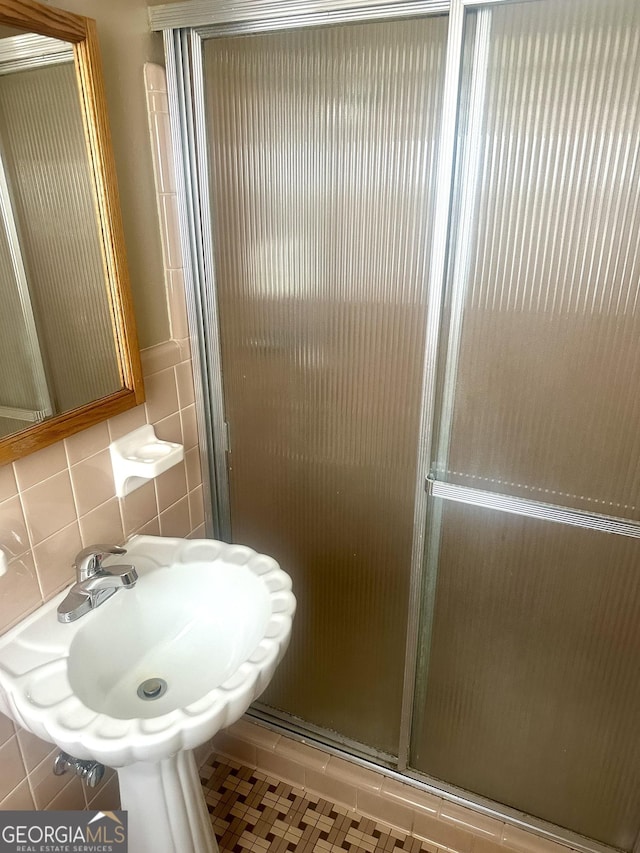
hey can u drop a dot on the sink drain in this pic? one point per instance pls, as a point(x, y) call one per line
point(152, 688)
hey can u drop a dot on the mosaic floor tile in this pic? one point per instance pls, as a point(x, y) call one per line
point(254, 813)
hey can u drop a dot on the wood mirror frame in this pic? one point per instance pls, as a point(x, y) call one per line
point(81, 32)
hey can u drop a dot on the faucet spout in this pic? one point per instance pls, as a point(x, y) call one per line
point(95, 583)
point(112, 578)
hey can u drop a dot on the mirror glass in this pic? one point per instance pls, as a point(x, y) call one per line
point(57, 346)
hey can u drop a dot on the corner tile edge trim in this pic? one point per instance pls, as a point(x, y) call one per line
point(164, 355)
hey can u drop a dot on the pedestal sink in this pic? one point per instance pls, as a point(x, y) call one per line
point(152, 673)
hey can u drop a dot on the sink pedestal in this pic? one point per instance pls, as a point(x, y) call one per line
point(208, 620)
point(167, 811)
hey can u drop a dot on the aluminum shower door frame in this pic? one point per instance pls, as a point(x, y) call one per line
point(183, 49)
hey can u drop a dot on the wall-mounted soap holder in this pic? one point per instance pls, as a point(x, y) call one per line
point(140, 456)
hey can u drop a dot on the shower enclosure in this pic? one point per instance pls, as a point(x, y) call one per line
point(412, 238)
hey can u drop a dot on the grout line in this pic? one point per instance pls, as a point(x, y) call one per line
point(73, 488)
point(24, 516)
point(121, 511)
point(24, 763)
point(29, 550)
point(66, 452)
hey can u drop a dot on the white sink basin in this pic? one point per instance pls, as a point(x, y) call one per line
point(194, 629)
point(206, 620)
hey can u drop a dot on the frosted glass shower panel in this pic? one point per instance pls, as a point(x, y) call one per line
point(323, 155)
point(532, 696)
point(545, 351)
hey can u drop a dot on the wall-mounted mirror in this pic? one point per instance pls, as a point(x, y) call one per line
point(68, 346)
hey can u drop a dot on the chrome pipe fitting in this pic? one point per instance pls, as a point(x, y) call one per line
point(90, 771)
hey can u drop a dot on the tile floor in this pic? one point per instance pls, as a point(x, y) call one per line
point(253, 812)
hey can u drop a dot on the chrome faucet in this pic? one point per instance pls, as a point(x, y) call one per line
point(94, 583)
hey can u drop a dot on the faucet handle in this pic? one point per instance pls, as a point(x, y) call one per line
point(89, 560)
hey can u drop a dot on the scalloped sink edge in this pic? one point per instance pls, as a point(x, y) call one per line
point(36, 676)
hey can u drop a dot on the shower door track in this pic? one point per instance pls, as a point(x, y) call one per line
point(327, 741)
point(184, 26)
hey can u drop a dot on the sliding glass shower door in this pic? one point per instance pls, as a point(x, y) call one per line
point(322, 156)
point(528, 682)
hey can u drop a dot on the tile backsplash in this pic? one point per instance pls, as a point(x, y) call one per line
point(60, 499)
